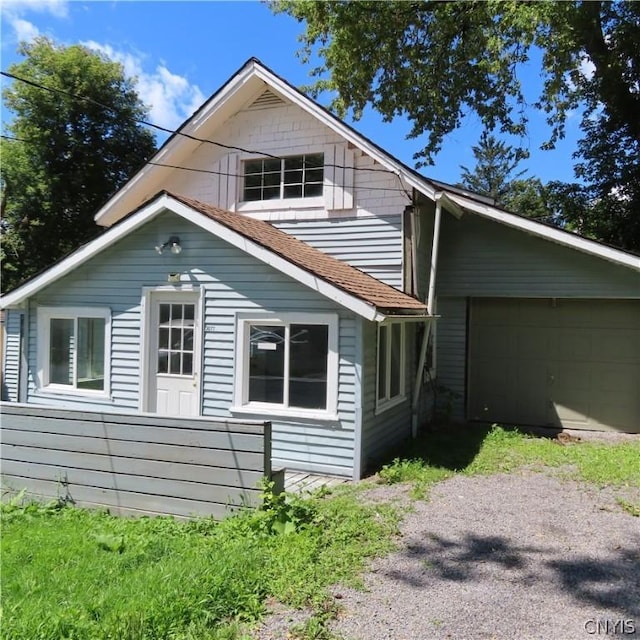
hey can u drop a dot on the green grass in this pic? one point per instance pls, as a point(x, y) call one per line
point(477, 450)
point(74, 574)
point(70, 574)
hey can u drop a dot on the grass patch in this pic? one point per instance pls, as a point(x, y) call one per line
point(75, 574)
point(630, 507)
point(478, 450)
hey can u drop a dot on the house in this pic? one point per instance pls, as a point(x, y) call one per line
point(271, 263)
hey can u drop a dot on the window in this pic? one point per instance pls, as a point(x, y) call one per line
point(278, 178)
point(73, 349)
point(391, 368)
point(175, 338)
point(288, 364)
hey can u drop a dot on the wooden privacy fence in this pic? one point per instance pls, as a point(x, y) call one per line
point(135, 464)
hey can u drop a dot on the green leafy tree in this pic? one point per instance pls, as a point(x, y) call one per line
point(436, 62)
point(64, 156)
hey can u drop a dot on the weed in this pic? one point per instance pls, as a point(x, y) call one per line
point(475, 450)
point(99, 576)
point(629, 507)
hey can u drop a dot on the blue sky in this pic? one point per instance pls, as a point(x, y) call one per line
point(182, 52)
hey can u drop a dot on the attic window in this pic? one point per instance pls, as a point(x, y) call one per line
point(280, 178)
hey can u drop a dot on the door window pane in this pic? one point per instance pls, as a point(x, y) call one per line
point(176, 339)
point(308, 350)
point(187, 364)
point(165, 313)
point(174, 363)
point(266, 363)
point(163, 362)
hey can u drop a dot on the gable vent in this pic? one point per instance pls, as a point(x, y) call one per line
point(266, 100)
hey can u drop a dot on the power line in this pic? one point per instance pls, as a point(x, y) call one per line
point(223, 173)
point(238, 175)
point(177, 132)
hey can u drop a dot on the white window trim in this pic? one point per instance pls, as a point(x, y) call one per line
point(315, 202)
point(241, 378)
point(287, 203)
point(385, 403)
point(45, 314)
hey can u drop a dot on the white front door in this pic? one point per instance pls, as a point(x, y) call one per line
point(173, 360)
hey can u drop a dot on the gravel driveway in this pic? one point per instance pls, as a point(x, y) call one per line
point(523, 556)
point(506, 557)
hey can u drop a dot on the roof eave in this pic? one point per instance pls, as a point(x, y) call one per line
point(558, 236)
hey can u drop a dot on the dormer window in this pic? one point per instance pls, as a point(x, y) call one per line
point(291, 177)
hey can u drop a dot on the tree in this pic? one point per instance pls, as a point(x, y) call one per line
point(64, 156)
point(493, 174)
point(436, 62)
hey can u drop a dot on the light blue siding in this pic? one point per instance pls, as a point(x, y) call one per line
point(386, 431)
point(372, 244)
point(233, 282)
point(12, 356)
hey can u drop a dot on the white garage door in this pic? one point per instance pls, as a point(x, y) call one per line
point(561, 363)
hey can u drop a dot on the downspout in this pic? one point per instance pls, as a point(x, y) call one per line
point(427, 325)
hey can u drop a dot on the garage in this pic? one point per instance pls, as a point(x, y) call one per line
point(565, 363)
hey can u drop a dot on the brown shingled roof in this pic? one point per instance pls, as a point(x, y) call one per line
point(338, 273)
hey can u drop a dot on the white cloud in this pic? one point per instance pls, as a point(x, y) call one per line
point(14, 12)
point(57, 8)
point(171, 98)
point(25, 31)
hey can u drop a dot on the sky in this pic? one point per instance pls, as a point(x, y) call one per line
point(182, 52)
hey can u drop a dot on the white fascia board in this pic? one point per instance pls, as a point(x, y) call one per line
point(190, 127)
point(106, 217)
point(346, 132)
point(83, 254)
point(449, 204)
point(558, 236)
point(324, 288)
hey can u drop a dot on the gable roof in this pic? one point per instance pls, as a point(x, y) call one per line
point(332, 278)
point(250, 82)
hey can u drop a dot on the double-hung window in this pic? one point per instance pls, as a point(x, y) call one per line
point(73, 349)
point(287, 365)
point(391, 365)
point(280, 178)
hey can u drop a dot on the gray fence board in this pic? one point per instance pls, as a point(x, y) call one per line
point(135, 433)
point(230, 425)
point(122, 502)
point(70, 477)
point(139, 467)
point(135, 463)
point(167, 453)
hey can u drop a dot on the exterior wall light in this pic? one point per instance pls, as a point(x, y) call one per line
point(173, 243)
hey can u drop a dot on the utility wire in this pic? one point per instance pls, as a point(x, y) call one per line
point(176, 132)
point(219, 173)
